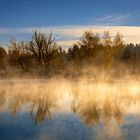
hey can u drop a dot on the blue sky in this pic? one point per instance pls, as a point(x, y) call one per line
point(29, 14)
point(38, 13)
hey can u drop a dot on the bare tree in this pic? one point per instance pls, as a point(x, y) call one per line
point(42, 46)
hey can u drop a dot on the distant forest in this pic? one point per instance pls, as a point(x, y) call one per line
point(93, 56)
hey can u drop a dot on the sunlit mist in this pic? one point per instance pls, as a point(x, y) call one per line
point(95, 105)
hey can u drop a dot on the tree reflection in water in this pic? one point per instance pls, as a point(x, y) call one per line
point(2, 97)
point(89, 102)
point(40, 100)
point(94, 104)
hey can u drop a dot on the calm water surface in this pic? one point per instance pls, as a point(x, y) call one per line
point(62, 110)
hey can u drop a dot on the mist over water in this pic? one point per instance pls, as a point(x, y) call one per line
point(60, 109)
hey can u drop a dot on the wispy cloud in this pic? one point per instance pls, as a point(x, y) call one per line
point(112, 20)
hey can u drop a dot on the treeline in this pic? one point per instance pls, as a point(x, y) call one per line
point(93, 56)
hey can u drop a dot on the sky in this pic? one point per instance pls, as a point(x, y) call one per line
point(68, 19)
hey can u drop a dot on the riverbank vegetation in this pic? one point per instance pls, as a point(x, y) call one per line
point(94, 56)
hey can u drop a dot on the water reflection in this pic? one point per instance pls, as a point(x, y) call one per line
point(38, 100)
point(102, 108)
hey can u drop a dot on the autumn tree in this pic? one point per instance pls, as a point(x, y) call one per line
point(118, 40)
point(107, 39)
point(18, 55)
point(89, 39)
point(3, 58)
point(118, 45)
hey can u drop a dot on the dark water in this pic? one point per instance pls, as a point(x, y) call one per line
point(42, 110)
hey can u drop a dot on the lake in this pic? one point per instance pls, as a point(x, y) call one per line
point(69, 110)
